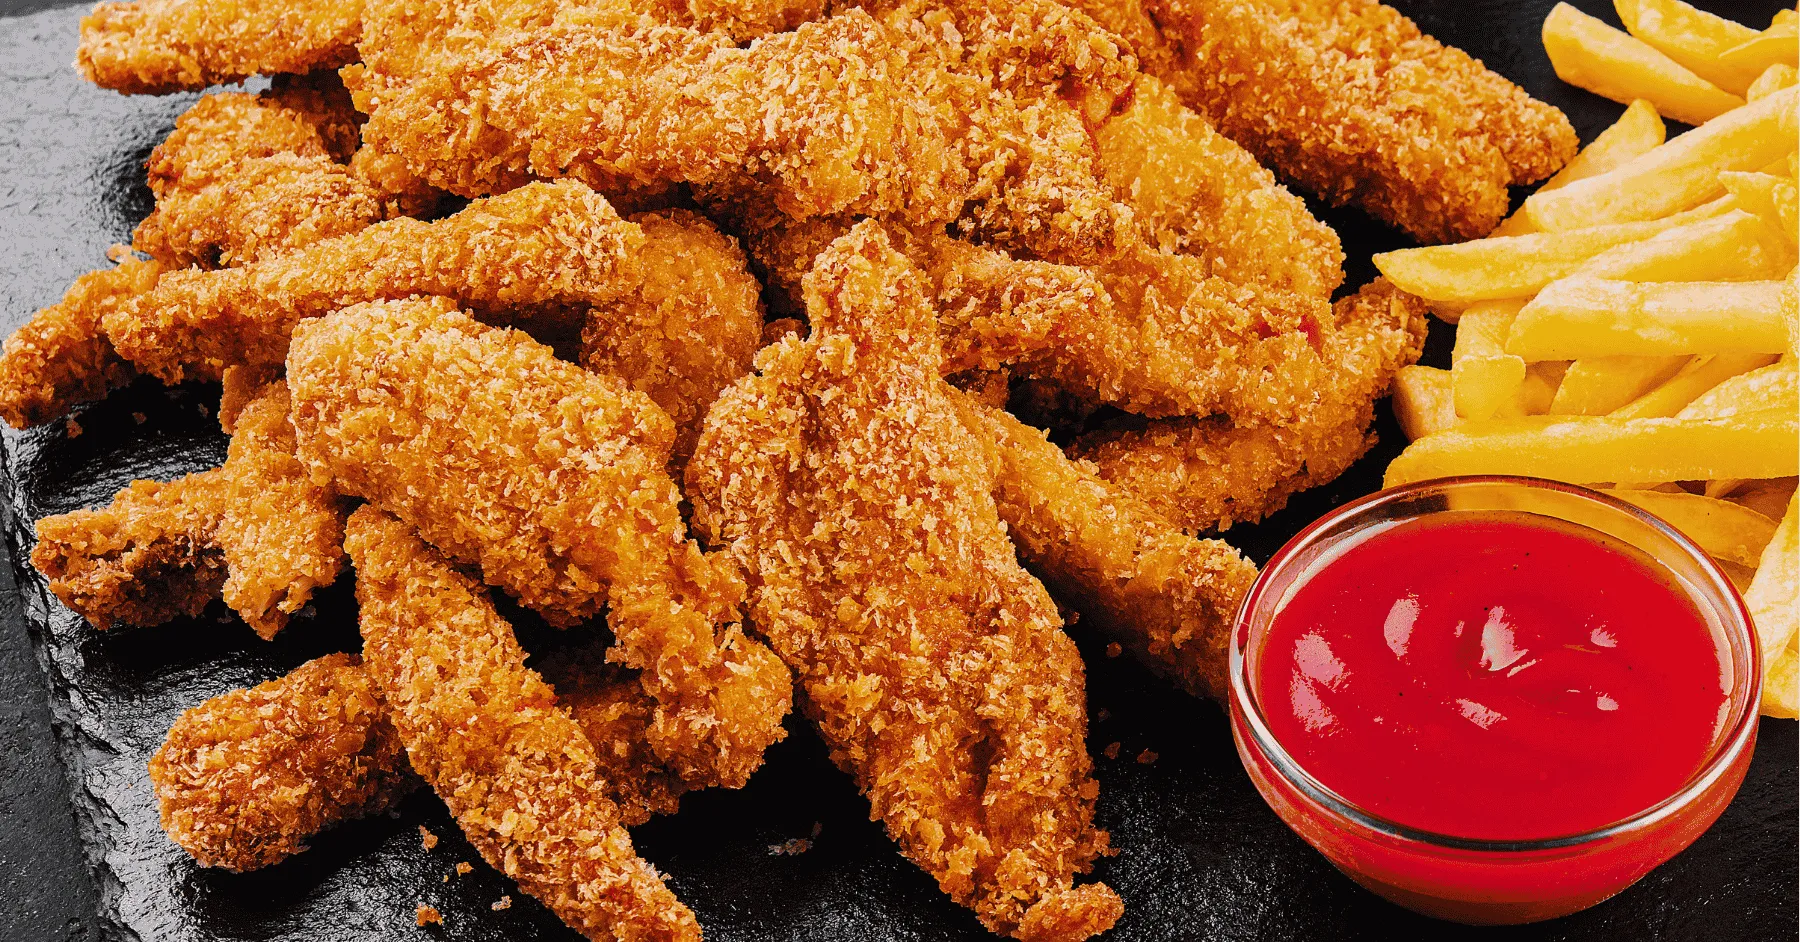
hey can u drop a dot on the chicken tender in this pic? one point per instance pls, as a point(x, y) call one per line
point(552, 245)
point(486, 732)
point(554, 480)
point(1167, 597)
point(159, 46)
point(1209, 473)
point(934, 666)
point(245, 779)
point(61, 358)
point(690, 331)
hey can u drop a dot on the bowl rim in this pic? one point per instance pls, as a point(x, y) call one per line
point(1744, 697)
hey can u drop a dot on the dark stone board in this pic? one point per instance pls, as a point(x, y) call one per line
point(1201, 857)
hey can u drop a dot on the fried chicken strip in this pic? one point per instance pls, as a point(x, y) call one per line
point(691, 330)
point(1167, 597)
point(1209, 473)
point(485, 731)
point(554, 480)
point(933, 665)
point(61, 358)
point(159, 46)
point(245, 779)
point(553, 245)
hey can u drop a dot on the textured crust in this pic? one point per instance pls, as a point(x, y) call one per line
point(263, 206)
point(1167, 597)
point(486, 732)
point(245, 779)
point(61, 358)
point(554, 480)
point(690, 331)
point(159, 46)
point(934, 666)
point(543, 246)
point(1207, 474)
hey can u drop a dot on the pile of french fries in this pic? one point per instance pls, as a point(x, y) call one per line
point(1633, 326)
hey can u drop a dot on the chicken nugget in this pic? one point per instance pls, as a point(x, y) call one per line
point(160, 46)
point(61, 358)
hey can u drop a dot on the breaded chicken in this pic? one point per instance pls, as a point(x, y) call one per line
point(256, 531)
point(246, 778)
point(158, 46)
point(486, 733)
point(691, 330)
point(934, 667)
point(554, 480)
point(554, 245)
point(61, 357)
point(1165, 596)
point(1209, 473)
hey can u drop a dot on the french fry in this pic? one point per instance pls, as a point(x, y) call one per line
point(1691, 37)
point(1587, 53)
point(1695, 379)
point(1776, 386)
point(1769, 498)
point(1787, 16)
point(1779, 44)
point(1739, 574)
point(1721, 528)
point(1762, 444)
point(1780, 681)
point(1774, 604)
point(1638, 130)
point(1768, 196)
point(1483, 375)
point(1423, 401)
point(1681, 173)
point(1598, 385)
point(1774, 79)
point(1518, 266)
point(1737, 246)
point(1587, 317)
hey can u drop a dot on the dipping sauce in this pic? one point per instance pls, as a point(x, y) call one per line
point(1493, 674)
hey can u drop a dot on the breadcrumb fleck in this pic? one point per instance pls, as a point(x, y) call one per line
point(504, 902)
point(463, 867)
point(428, 839)
point(72, 428)
point(790, 848)
point(1146, 757)
point(428, 916)
point(1111, 751)
point(1114, 649)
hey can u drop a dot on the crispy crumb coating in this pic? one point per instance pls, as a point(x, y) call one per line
point(246, 778)
point(1196, 192)
point(691, 330)
point(934, 666)
point(554, 480)
point(61, 358)
point(485, 731)
point(1169, 598)
point(1207, 474)
point(1349, 100)
point(144, 559)
point(609, 704)
point(546, 245)
point(159, 46)
point(240, 386)
point(265, 205)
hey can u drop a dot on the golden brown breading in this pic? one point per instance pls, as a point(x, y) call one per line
point(1169, 598)
point(934, 666)
point(61, 358)
point(554, 480)
point(485, 731)
point(144, 559)
point(1348, 99)
point(262, 206)
point(608, 702)
point(547, 245)
point(157, 46)
point(246, 778)
point(690, 331)
point(1206, 474)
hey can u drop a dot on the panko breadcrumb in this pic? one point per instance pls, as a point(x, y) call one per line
point(159, 46)
point(61, 358)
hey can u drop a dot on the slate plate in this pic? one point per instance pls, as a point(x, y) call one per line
point(1201, 856)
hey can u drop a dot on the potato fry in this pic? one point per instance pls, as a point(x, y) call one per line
point(1776, 386)
point(1423, 401)
point(1774, 79)
point(1768, 196)
point(1681, 173)
point(1777, 45)
point(1788, 16)
point(1762, 444)
point(1769, 498)
point(1774, 603)
point(1518, 266)
point(1587, 317)
point(1691, 37)
point(1587, 53)
point(1738, 246)
point(1723, 529)
point(1781, 680)
point(1598, 385)
point(1638, 130)
point(1483, 375)
point(1695, 379)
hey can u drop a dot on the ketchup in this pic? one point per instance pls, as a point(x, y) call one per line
point(1493, 674)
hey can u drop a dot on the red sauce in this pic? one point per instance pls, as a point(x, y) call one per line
point(1493, 675)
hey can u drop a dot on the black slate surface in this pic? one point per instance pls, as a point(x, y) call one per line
point(1201, 856)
